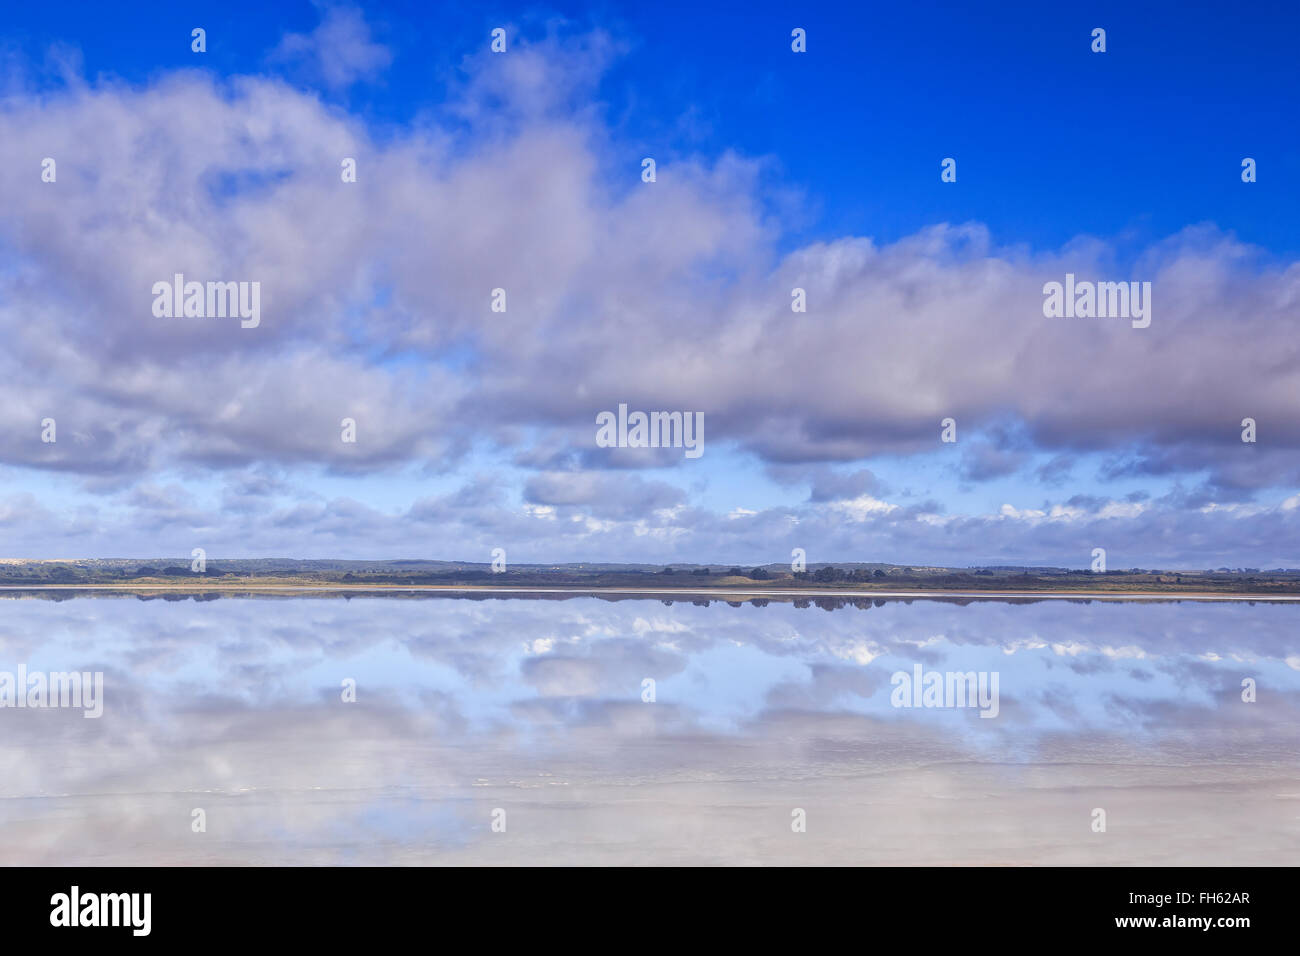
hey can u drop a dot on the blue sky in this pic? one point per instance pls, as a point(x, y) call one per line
point(776, 169)
point(1053, 140)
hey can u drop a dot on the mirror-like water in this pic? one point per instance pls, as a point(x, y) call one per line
point(542, 709)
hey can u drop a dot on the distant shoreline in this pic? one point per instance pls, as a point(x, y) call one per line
point(845, 582)
point(748, 593)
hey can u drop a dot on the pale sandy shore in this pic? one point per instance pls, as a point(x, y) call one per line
point(723, 592)
point(934, 815)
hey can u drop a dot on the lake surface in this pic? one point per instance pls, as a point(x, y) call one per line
point(535, 713)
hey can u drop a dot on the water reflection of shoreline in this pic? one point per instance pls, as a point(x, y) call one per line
point(827, 603)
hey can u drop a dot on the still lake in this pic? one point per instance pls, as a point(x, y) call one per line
point(535, 713)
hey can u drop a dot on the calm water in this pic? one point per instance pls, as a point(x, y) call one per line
point(535, 708)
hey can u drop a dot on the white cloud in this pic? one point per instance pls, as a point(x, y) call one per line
point(339, 52)
point(674, 294)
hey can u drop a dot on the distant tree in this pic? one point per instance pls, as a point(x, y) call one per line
point(701, 572)
point(667, 571)
point(878, 573)
point(759, 574)
point(736, 573)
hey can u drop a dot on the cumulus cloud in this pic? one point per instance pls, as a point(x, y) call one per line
point(339, 52)
point(671, 295)
point(606, 495)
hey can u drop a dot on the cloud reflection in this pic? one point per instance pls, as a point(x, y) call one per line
point(535, 706)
